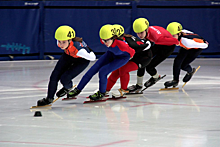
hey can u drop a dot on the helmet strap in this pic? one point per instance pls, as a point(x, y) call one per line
point(179, 35)
point(146, 33)
point(69, 43)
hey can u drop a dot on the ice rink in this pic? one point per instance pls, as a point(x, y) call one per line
point(188, 117)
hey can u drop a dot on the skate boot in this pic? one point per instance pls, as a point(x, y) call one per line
point(97, 96)
point(120, 93)
point(44, 101)
point(151, 81)
point(106, 93)
point(173, 83)
point(134, 88)
point(62, 92)
point(188, 76)
point(73, 93)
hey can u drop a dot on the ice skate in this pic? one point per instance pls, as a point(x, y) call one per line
point(173, 83)
point(96, 97)
point(188, 76)
point(45, 102)
point(62, 92)
point(107, 94)
point(151, 82)
point(72, 94)
point(119, 94)
point(134, 89)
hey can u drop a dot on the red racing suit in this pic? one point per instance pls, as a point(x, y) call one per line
point(164, 46)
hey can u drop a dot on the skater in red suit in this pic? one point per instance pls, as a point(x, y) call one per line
point(141, 59)
point(191, 46)
point(117, 55)
point(164, 45)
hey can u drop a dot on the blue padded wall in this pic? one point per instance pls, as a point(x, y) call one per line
point(20, 30)
point(27, 28)
point(86, 21)
point(200, 17)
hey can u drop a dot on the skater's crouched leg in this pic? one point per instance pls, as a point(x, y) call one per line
point(67, 85)
point(103, 73)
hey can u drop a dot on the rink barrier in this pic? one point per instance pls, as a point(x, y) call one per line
point(27, 28)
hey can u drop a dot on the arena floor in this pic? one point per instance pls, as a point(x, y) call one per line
point(186, 117)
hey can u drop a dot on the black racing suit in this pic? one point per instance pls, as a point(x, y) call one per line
point(143, 53)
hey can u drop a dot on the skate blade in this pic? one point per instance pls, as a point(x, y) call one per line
point(154, 83)
point(91, 101)
point(184, 84)
point(134, 93)
point(144, 89)
point(166, 89)
point(45, 106)
point(67, 99)
point(104, 96)
point(40, 109)
point(116, 98)
point(162, 77)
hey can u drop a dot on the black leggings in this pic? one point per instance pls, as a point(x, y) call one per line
point(182, 61)
point(143, 58)
point(65, 70)
point(160, 53)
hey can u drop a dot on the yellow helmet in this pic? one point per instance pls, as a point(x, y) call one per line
point(140, 25)
point(174, 28)
point(106, 31)
point(64, 33)
point(119, 29)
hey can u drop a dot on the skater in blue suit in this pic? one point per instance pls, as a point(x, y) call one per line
point(118, 54)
